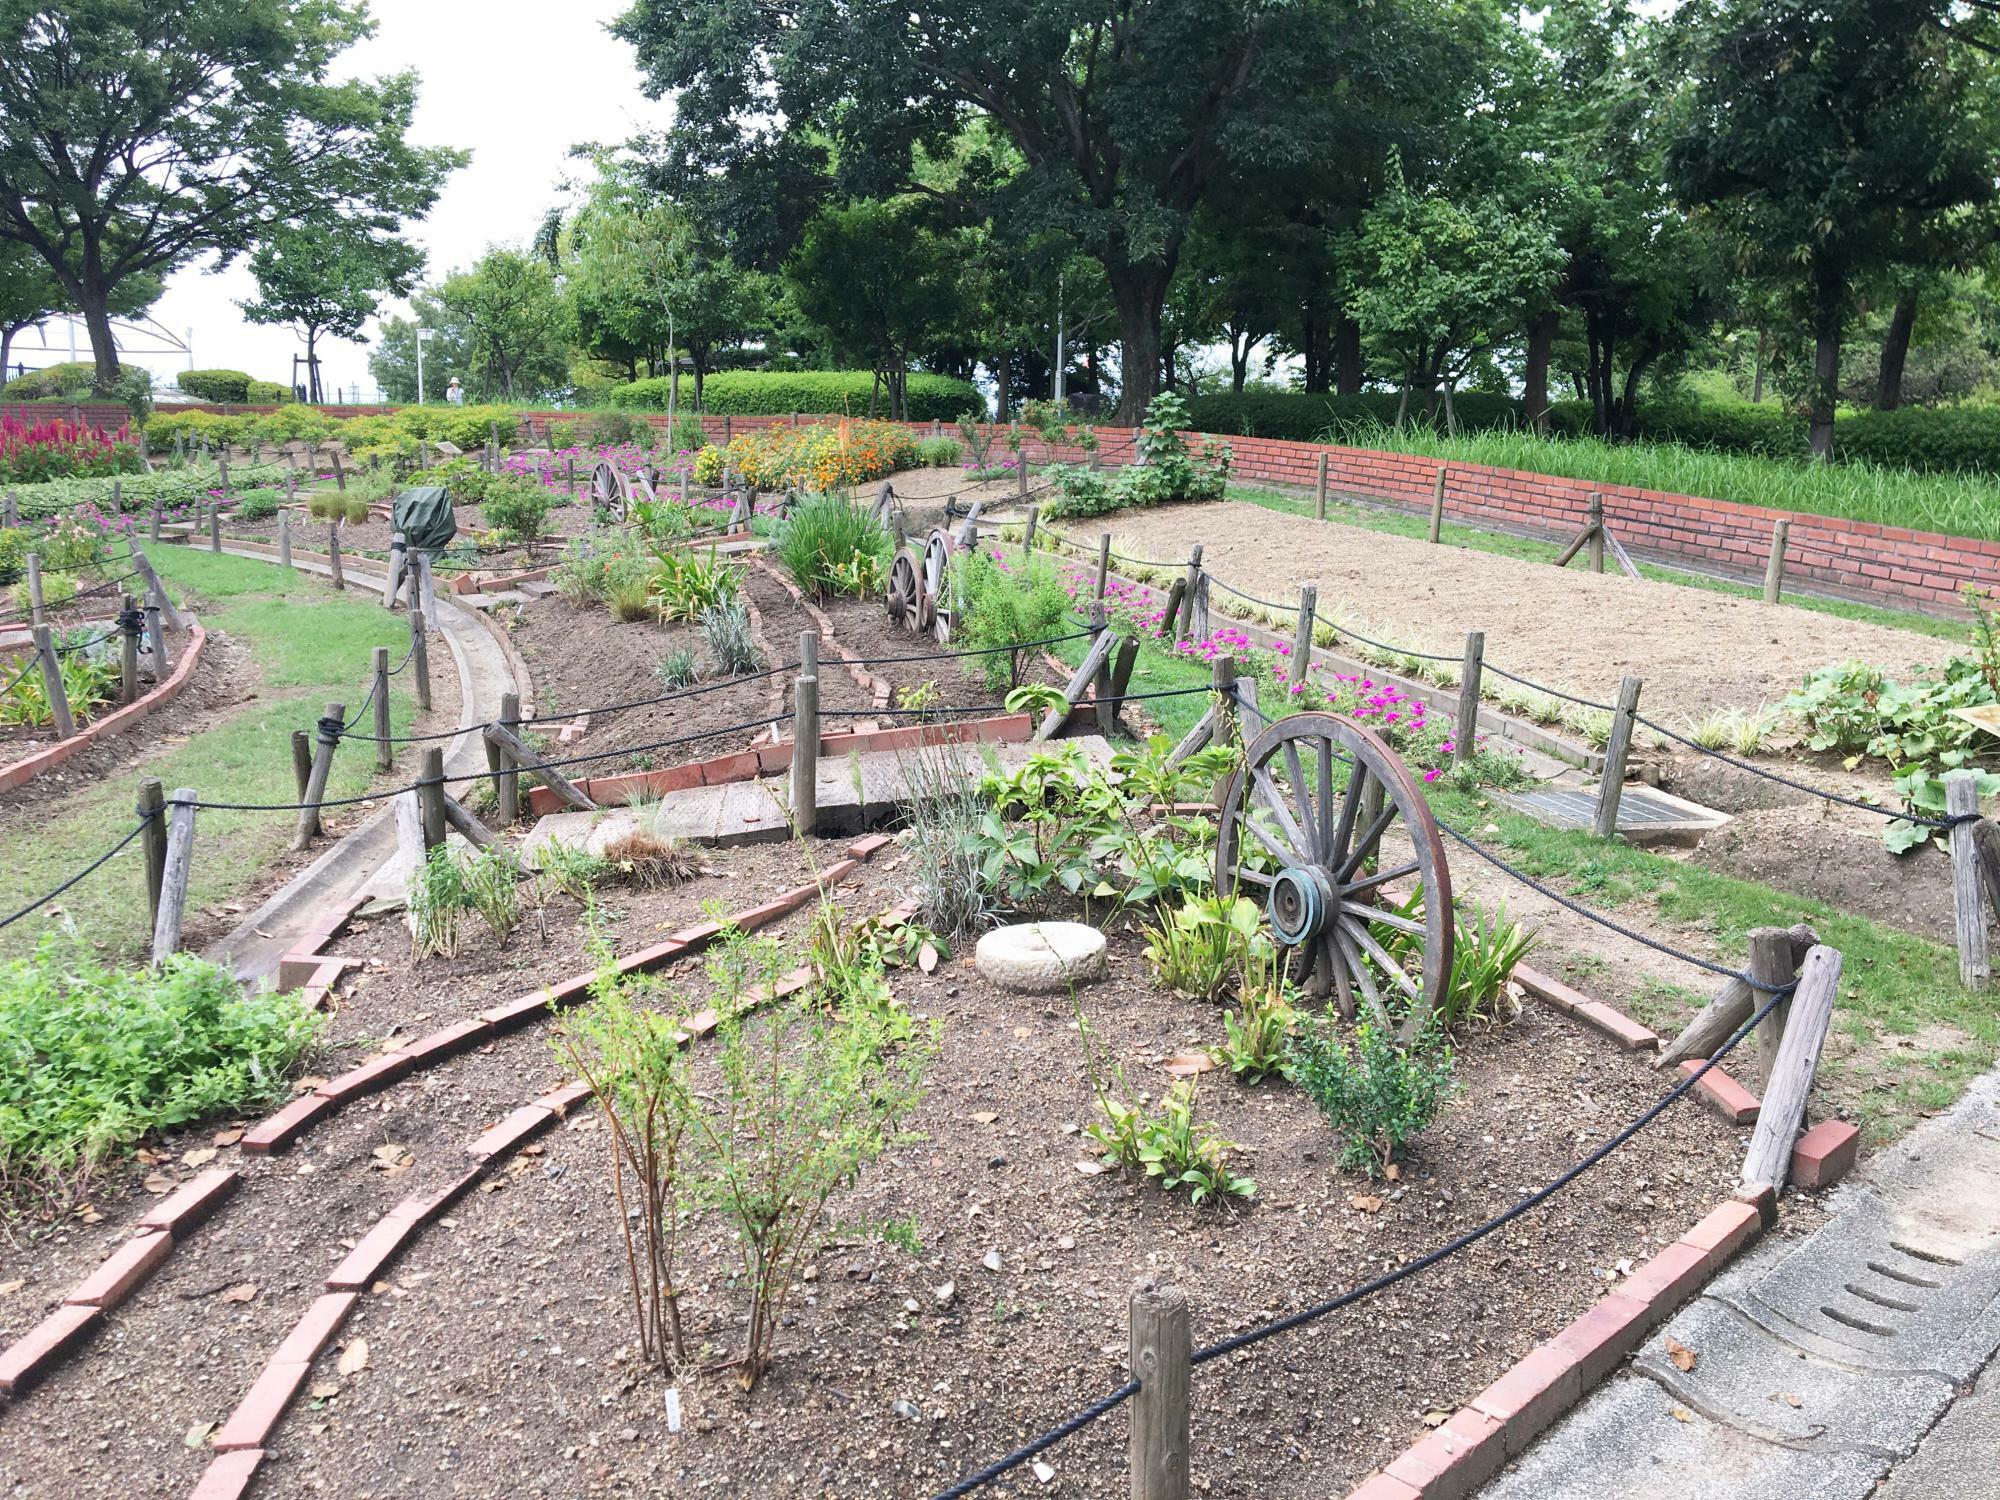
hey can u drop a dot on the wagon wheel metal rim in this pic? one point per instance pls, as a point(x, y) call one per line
point(936, 577)
point(902, 589)
point(1285, 805)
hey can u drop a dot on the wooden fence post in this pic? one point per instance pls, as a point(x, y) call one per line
point(175, 864)
point(399, 562)
point(154, 532)
point(36, 610)
point(1021, 477)
point(1612, 786)
point(1103, 563)
point(1302, 637)
point(726, 424)
point(302, 766)
point(157, 591)
point(1161, 1350)
point(1437, 505)
point(10, 510)
point(1596, 543)
point(1783, 1109)
point(285, 538)
point(152, 807)
point(430, 795)
point(339, 473)
point(1180, 632)
point(156, 636)
point(322, 767)
point(1319, 491)
point(805, 737)
point(1028, 533)
point(1961, 796)
point(1465, 734)
point(1774, 571)
point(333, 554)
point(129, 622)
point(513, 746)
point(1772, 967)
point(215, 528)
point(52, 682)
point(420, 660)
point(222, 469)
point(427, 589)
point(384, 751)
point(506, 779)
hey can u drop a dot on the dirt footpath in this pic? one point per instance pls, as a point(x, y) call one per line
point(1697, 651)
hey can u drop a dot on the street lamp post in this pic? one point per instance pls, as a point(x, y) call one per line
point(422, 334)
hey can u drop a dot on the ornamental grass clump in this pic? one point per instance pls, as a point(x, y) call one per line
point(832, 546)
point(94, 1059)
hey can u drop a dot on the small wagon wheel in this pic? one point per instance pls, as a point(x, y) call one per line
point(1313, 800)
point(903, 591)
point(936, 578)
point(606, 492)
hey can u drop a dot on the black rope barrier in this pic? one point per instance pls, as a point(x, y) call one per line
point(96, 864)
point(1054, 640)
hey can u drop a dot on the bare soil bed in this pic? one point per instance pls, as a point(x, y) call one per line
point(501, 1343)
point(1697, 652)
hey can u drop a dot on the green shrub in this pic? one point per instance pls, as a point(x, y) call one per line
point(686, 584)
point(1305, 416)
point(1004, 603)
point(832, 546)
point(267, 393)
point(1375, 1095)
point(939, 452)
point(53, 383)
point(814, 392)
point(465, 427)
point(677, 669)
point(258, 505)
point(293, 422)
point(1167, 472)
point(687, 435)
point(516, 508)
point(227, 387)
point(94, 1059)
point(611, 428)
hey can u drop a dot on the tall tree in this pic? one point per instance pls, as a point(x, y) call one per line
point(328, 283)
point(516, 327)
point(1127, 117)
point(136, 137)
point(30, 294)
point(1817, 129)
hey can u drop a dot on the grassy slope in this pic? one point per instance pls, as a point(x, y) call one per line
point(1907, 1037)
point(308, 645)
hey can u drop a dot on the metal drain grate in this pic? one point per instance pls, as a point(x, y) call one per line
point(1644, 812)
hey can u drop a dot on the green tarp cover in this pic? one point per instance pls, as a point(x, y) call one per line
point(424, 517)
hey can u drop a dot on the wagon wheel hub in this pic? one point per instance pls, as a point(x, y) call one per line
point(1297, 906)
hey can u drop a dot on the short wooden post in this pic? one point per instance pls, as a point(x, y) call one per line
point(805, 737)
point(153, 532)
point(1028, 532)
point(569, 476)
point(1222, 678)
point(1783, 1108)
point(1961, 797)
point(427, 588)
point(10, 510)
point(423, 453)
point(291, 480)
point(1100, 624)
point(725, 429)
point(795, 419)
point(1182, 629)
point(52, 682)
point(420, 660)
point(175, 865)
point(1612, 787)
point(1021, 477)
point(1319, 491)
point(399, 560)
point(1772, 967)
point(511, 745)
point(384, 752)
point(1596, 543)
point(1302, 637)
point(157, 591)
point(1161, 1352)
point(152, 807)
point(333, 554)
point(1774, 570)
point(506, 777)
point(222, 469)
point(430, 795)
point(117, 497)
point(1198, 627)
point(339, 473)
point(1103, 563)
point(129, 623)
point(215, 528)
point(1465, 734)
point(284, 538)
point(1437, 505)
point(302, 767)
point(156, 637)
point(328, 739)
point(35, 605)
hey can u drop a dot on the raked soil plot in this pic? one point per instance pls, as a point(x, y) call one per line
point(1697, 652)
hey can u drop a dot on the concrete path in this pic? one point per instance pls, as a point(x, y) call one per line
point(348, 865)
point(1820, 1364)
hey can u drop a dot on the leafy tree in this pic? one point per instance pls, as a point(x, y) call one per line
point(1819, 131)
point(1126, 118)
point(137, 137)
point(501, 326)
point(30, 294)
point(329, 284)
point(447, 350)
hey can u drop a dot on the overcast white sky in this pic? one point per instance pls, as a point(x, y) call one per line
point(517, 82)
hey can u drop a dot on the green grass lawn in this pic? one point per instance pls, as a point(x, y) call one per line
point(1907, 1038)
point(307, 645)
point(1528, 549)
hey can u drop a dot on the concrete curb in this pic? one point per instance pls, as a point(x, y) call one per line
point(25, 770)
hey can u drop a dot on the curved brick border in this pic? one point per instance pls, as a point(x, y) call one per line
point(82, 1312)
point(239, 1442)
point(116, 722)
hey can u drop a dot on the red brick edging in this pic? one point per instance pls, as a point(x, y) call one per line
point(116, 722)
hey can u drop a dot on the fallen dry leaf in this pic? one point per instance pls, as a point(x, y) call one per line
point(196, 1435)
point(354, 1358)
point(1093, 1168)
point(1789, 1399)
point(927, 958)
point(228, 1137)
point(324, 1390)
point(89, 1215)
point(985, 1116)
point(1436, 1418)
point(1368, 1203)
point(1682, 1414)
point(8, 1288)
point(199, 1158)
point(156, 1182)
point(1393, 1172)
point(1682, 1356)
point(241, 1292)
point(1187, 1064)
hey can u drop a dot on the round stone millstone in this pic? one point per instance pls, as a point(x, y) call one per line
point(1038, 958)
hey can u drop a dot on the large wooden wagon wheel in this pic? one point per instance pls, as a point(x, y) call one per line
point(905, 591)
point(935, 576)
point(606, 492)
point(1303, 826)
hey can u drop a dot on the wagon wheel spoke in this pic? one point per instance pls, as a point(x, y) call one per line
point(1365, 845)
point(1309, 837)
point(1255, 877)
point(1358, 930)
point(1350, 808)
point(1327, 816)
point(1358, 967)
point(1379, 878)
point(1279, 852)
point(1387, 918)
point(1301, 851)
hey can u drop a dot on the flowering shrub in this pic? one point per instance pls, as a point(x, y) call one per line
point(823, 456)
point(56, 448)
point(1166, 472)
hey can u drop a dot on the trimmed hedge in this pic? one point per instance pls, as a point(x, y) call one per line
point(229, 387)
point(48, 384)
point(774, 393)
point(267, 393)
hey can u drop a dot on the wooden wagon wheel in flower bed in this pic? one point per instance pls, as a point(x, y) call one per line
point(904, 591)
point(606, 493)
point(935, 574)
point(1302, 830)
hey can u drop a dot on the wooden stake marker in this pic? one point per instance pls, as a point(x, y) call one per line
point(1612, 787)
point(1162, 1347)
point(1961, 797)
point(1784, 1104)
point(152, 807)
point(805, 736)
point(1465, 734)
point(322, 767)
point(175, 865)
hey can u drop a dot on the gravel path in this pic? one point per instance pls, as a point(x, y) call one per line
point(1697, 651)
